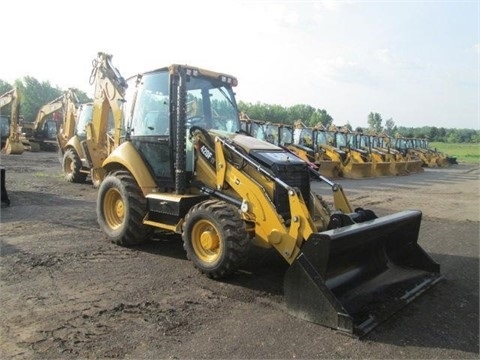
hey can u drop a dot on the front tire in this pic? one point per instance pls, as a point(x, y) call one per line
point(215, 238)
point(121, 208)
point(72, 166)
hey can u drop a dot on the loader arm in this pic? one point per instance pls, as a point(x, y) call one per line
point(257, 206)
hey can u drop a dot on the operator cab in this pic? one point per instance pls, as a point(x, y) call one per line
point(152, 109)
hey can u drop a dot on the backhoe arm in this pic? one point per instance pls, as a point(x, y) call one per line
point(67, 129)
point(13, 144)
point(102, 138)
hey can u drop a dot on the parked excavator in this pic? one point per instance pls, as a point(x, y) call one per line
point(99, 124)
point(43, 132)
point(195, 173)
point(11, 141)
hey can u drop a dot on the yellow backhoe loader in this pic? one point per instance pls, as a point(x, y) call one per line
point(99, 125)
point(194, 173)
point(357, 163)
point(384, 163)
point(278, 134)
point(439, 158)
point(43, 132)
point(11, 137)
point(404, 164)
point(409, 149)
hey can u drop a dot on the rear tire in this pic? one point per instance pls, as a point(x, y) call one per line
point(121, 208)
point(215, 238)
point(72, 166)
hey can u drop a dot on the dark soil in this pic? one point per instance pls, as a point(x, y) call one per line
point(66, 292)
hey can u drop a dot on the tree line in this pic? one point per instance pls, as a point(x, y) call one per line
point(34, 94)
point(37, 93)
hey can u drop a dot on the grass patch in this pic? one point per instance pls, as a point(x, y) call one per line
point(467, 153)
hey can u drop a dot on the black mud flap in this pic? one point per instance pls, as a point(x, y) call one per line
point(4, 194)
point(353, 278)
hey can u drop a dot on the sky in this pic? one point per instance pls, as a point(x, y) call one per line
point(415, 62)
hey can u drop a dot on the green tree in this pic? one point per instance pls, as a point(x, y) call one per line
point(34, 95)
point(390, 127)
point(375, 122)
point(4, 87)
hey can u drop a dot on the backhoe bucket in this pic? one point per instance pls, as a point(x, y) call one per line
point(13, 147)
point(353, 278)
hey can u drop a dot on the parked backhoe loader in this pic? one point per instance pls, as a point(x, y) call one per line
point(102, 121)
point(278, 134)
point(384, 163)
point(404, 163)
point(332, 162)
point(357, 163)
point(441, 159)
point(12, 141)
point(197, 175)
point(70, 127)
point(42, 133)
point(408, 148)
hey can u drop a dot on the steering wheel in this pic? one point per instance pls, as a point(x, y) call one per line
point(205, 134)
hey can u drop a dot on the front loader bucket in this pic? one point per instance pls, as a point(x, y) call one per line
point(399, 168)
point(353, 278)
point(381, 169)
point(330, 169)
point(358, 170)
point(415, 166)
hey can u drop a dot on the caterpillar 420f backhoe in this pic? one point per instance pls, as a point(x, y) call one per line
point(191, 171)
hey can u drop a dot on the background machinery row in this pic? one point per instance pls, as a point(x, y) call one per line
point(338, 152)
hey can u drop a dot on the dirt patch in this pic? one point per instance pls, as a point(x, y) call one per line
point(66, 292)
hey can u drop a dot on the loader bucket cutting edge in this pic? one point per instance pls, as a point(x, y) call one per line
point(360, 170)
point(353, 278)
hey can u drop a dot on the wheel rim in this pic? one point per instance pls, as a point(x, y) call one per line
point(114, 208)
point(68, 166)
point(206, 241)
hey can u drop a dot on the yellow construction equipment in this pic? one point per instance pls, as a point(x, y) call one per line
point(11, 139)
point(99, 124)
point(384, 162)
point(190, 170)
point(417, 157)
point(357, 163)
point(399, 164)
point(43, 132)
